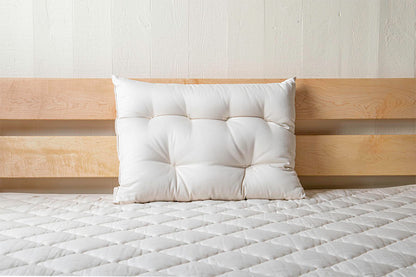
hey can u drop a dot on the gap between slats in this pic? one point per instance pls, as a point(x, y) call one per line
point(303, 127)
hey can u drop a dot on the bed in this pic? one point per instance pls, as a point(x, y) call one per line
point(332, 232)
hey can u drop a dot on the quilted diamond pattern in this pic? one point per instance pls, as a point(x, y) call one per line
point(332, 232)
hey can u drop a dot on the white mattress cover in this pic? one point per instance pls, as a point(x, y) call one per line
point(331, 232)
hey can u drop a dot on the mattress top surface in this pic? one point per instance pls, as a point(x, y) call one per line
point(331, 232)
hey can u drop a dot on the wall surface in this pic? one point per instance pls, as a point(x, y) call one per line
point(208, 38)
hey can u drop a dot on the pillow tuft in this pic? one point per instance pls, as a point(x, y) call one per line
point(197, 142)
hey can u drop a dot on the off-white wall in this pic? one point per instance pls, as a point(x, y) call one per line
point(208, 38)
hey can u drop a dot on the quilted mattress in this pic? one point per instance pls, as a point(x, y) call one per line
point(331, 232)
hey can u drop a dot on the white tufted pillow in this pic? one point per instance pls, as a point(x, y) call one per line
point(194, 142)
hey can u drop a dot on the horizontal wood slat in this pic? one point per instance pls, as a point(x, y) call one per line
point(356, 99)
point(93, 99)
point(59, 99)
point(96, 156)
point(25, 156)
point(356, 155)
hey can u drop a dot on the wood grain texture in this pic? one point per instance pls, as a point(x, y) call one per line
point(356, 98)
point(93, 99)
point(357, 155)
point(60, 185)
point(58, 157)
point(56, 99)
point(96, 156)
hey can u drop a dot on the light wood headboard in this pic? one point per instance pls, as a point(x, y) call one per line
point(317, 99)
